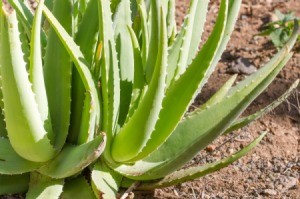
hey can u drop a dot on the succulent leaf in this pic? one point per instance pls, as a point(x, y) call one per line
point(145, 32)
point(234, 6)
point(136, 132)
point(105, 181)
point(187, 41)
point(122, 19)
point(73, 159)
point(192, 173)
point(26, 18)
point(79, 61)
point(154, 38)
point(11, 163)
point(217, 97)
point(171, 21)
point(77, 188)
point(36, 70)
point(139, 79)
point(203, 127)
point(3, 131)
point(13, 184)
point(87, 29)
point(110, 79)
point(244, 121)
point(19, 99)
point(41, 187)
point(58, 69)
point(179, 96)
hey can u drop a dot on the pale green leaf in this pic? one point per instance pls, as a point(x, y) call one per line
point(122, 19)
point(105, 181)
point(179, 96)
point(187, 41)
point(19, 99)
point(192, 173)
point(73, 159)
point(11, 163)
point(248, 119)
point(137, 131)
point(43, 187)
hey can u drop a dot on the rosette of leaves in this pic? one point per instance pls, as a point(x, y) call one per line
point(118, 67)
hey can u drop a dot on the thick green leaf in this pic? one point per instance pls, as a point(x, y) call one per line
point(57, 70)
point(179, 96)
point(25, 16)
point(43, 187)
point(247, 120)
point(203, 127)
point(171, 21)
point(86, 36)
point(19, 99)
point(122, 19)
point(105, 181)
point(73, 159)
point(110, 80)
point(145, 32)
point(234, 6)
point(187, 41)
point(81, 117)
point(139, 79)
point(36, 70)
point(80, 63)
point(137, 131)
point(113, 5)
point(192, 173)
point(13, 184)
point(3, 131)
point(217, 97)
point(77, 188)
point(11, 163)
point(154, 38)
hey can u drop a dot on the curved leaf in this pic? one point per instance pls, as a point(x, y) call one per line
point(19, 99)
point(11, 163)
point(86, 38)
point(154, 38)
point(105, 182)
point(13, 184)
point(192, 173)
point(246, 120)
point(81, 64)
point(110, 80)
point(36, 70)
point(187, 41)
point(57, 74)
point(77, 188)
point(179, 96)
point(122, 19)
point(136, 132)
point(73, 159)
point(203, 127)
point(41, 187)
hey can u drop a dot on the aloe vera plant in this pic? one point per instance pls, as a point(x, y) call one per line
point(116, 77)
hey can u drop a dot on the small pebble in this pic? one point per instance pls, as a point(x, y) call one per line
point(270, 192)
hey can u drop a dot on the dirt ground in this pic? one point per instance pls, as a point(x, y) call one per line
point(271, 170)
